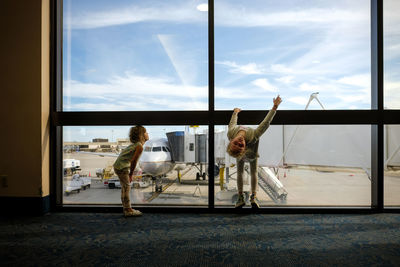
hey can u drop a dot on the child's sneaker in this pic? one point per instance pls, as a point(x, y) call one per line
point(240, 202)
point(254, 202)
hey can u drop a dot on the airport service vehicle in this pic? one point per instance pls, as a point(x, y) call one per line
point(77, 184)
point(71, 165)
point(112, 183)
point(139, 181)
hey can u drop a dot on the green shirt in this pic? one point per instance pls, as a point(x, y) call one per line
point(124, 159)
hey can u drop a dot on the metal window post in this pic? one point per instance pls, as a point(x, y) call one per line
point(377, 153)
point(211, 120)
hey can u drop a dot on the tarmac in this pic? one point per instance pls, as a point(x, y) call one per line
point(305, 185)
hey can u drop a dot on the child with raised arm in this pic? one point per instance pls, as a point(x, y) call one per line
point(243, 145)
point(126, 164)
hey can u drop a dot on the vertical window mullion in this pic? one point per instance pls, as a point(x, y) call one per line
point(377, 152)
point(56, 164)
point(211, 108)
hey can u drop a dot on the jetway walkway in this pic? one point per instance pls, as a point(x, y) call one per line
point(271, 185)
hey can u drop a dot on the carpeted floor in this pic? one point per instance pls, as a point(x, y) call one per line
point(108, 239)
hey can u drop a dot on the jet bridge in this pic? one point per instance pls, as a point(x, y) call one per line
point(271, 185)
point(190, 149)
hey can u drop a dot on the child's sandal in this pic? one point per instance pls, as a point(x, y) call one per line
point(129, 212)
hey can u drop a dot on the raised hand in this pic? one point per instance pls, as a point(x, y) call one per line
point(277, 102)
point(236, 110)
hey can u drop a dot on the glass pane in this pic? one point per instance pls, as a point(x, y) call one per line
point(135, 55)
point(392, 53)
point(177, 176)
point(301, 165)
point(295, 49)
point(392, 165)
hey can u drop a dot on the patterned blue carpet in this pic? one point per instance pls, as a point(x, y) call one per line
point(108, 239)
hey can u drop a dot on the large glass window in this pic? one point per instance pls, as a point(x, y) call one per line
point(292, 48)
point(135, 55)
point(392, 165)
point(154, 63)
point(172, 169)
point(303, 165)
point(392, 53)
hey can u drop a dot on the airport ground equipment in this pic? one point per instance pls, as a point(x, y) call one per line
point(139, 181)
point(77, 184)
point(100, 173)
point(271, 185)
point(70, 166)
point(112, 183)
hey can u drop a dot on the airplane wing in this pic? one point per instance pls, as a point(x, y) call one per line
point(100, 154)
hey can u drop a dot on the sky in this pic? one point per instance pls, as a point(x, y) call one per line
point(153, 55)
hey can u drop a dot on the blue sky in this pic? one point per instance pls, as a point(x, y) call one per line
point(152, 55)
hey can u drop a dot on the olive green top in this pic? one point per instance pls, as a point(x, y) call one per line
point(252, 136)
point(124, 159)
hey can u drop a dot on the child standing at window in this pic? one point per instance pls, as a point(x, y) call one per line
point(126, 164)
point(243, 145)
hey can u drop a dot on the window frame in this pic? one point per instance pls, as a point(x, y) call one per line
point(377, 117)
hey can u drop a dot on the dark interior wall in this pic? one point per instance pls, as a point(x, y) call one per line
point(24, 108)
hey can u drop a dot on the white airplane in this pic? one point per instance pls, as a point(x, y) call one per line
point(156, 158)
point(155, 162)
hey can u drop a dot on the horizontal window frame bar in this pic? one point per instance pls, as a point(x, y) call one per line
point(252, 117)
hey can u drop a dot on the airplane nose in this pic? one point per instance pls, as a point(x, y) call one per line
point(150, 167)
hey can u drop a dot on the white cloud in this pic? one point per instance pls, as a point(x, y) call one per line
point(234, 93)
point(354, 98)
point(265, 85)
point(392, 94)
point(135, 92)
point(299, 100)
point(250, 68)
point(310, 87)
point(285, 79)
point(186, 12)
point(281, 68)
point(202, 7)
point(361, 80)
point(228, 14)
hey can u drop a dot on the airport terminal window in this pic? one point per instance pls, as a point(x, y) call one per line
point(157, 66)
point(392, 165)
point(168, 174)
point(295, 49)
point(392, 53)
point(302, 165)
point(134, 55)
